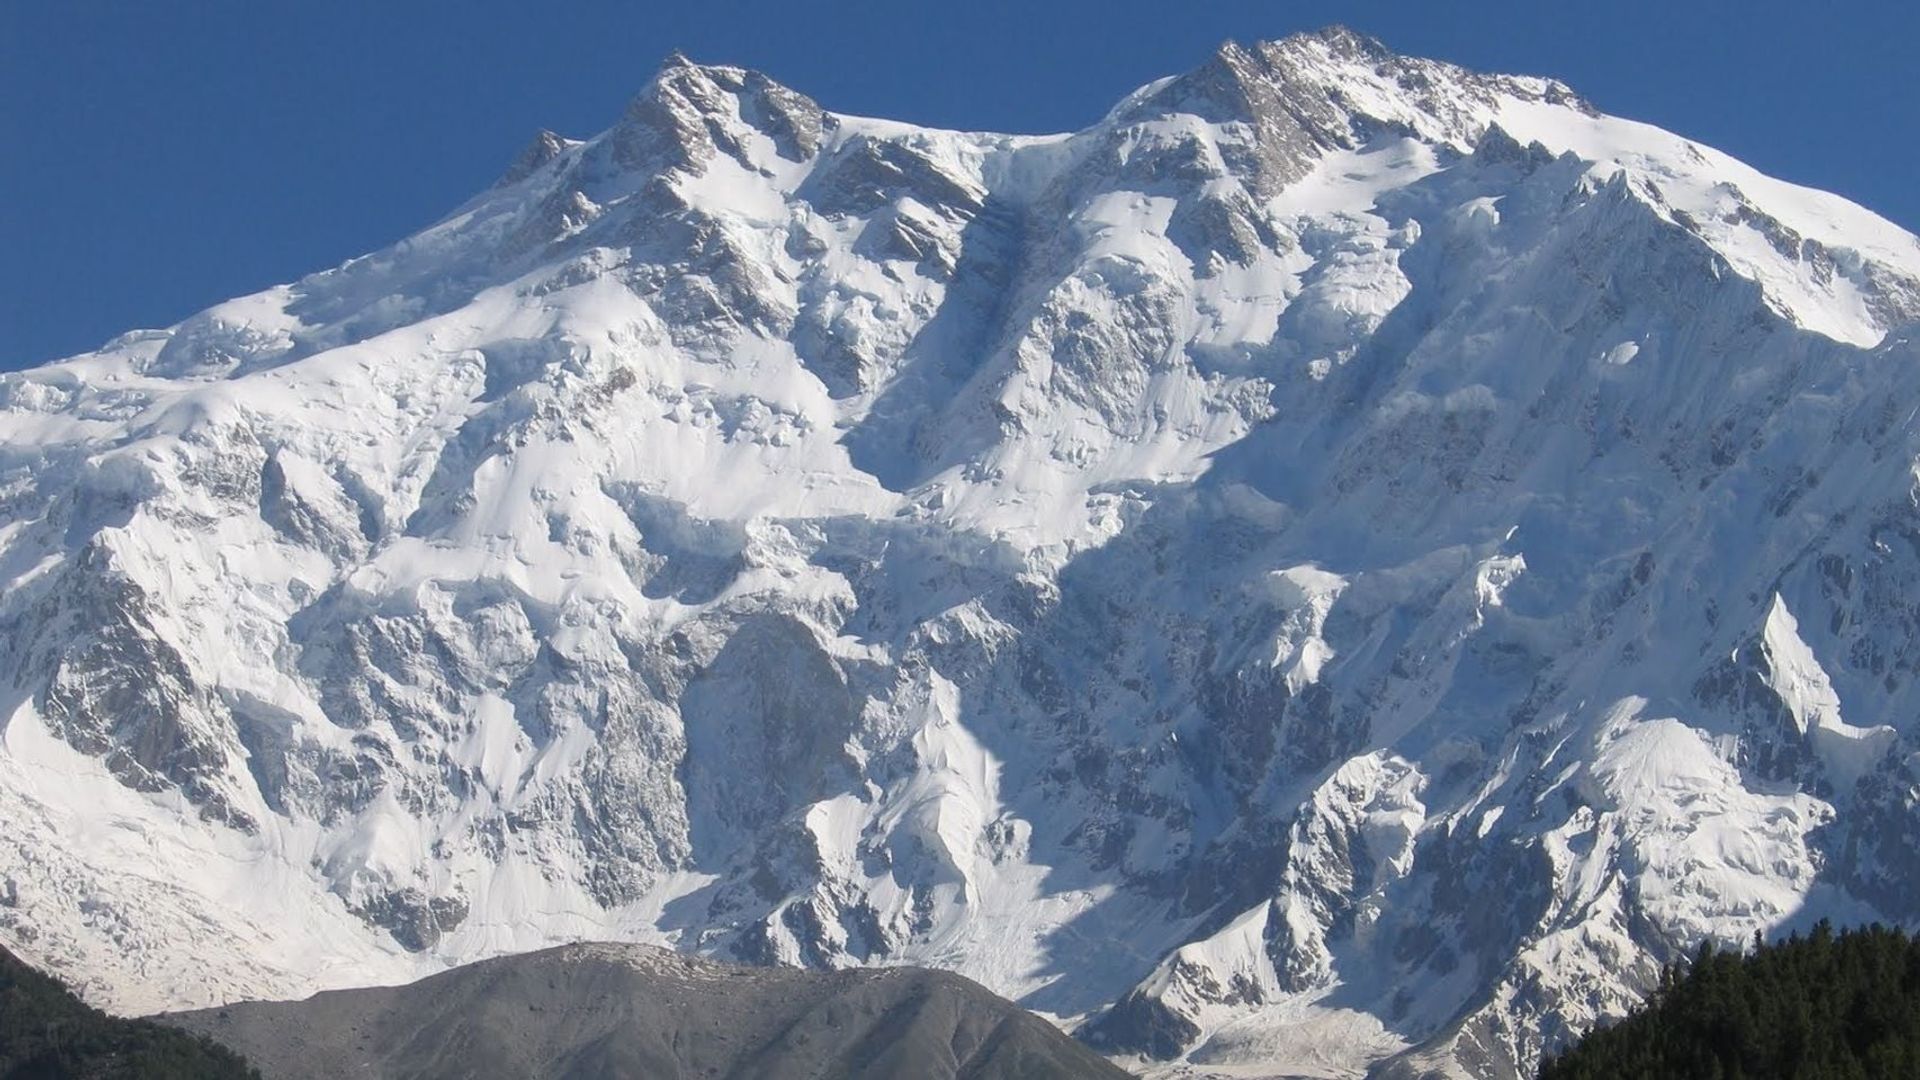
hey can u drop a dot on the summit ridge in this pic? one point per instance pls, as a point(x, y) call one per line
point(1345, 562)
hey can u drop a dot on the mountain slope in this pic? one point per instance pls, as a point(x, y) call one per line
point(1344, 559)
point(47, 1032)
point(611, 1010)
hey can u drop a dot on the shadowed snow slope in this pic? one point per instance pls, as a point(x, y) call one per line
point(1344, 561)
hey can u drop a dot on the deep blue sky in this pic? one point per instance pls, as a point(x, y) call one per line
point(156, 158)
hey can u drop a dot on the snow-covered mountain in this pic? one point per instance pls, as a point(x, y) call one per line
point(1343, 562)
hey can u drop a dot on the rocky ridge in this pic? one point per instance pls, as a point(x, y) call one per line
point(631, 1010)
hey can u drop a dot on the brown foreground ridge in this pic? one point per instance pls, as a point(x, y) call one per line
point(603, 1010)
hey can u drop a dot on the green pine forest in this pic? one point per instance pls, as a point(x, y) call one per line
point(1843, 1005)
point(46, 1032)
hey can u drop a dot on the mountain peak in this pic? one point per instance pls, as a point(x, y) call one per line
point(1452, 540)
point(1316, 91)
point(1339, 40)
point(678, 67)
point(688, 110)
point(543, 148)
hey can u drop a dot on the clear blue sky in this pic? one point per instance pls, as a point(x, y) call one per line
point(158, 157)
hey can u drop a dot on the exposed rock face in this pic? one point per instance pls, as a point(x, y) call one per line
point(1345, 560)
point(631, 1010)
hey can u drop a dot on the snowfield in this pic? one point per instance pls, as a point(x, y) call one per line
point(1345, 563)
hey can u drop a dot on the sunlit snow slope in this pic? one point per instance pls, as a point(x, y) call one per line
point(1344, 561)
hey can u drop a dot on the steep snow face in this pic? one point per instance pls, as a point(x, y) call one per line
point(1343, 561)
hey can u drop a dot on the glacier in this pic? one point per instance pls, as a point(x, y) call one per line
point(1343, 564)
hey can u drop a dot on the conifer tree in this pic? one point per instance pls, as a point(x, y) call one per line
point(1826, 1005)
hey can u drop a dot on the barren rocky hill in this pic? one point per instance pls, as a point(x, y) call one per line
point(584, 1011)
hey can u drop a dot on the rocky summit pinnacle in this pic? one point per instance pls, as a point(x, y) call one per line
point(1343, 562)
